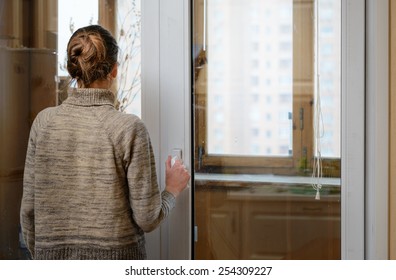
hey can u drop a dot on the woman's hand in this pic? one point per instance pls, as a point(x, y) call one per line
point(176, 177)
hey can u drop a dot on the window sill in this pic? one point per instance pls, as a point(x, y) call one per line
point(265, 178)
point(269, 187)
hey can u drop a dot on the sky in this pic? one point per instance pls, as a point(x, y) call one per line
point(80, 13)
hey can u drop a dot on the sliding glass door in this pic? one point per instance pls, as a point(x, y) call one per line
point(267, 86)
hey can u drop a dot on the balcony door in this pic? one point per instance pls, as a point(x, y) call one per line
point(265, 102)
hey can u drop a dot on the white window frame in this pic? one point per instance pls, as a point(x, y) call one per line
point(352, 128)
point(166, 110)
point(377, 130)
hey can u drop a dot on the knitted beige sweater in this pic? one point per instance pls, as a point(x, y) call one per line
point(90, 187)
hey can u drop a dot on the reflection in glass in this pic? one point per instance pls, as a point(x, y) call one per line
point(261, 70)
point(240, 66)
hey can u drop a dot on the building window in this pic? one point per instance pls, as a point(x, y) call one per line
point(69, 20)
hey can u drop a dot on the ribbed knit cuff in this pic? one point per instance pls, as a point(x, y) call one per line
point(168, 199)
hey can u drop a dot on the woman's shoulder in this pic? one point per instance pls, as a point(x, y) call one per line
point(125, 123)
point(126, 119)
point(49, 111)
point(44, 116)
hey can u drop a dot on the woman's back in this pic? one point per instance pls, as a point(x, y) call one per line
point(82, 149)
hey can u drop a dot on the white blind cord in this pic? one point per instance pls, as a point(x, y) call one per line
point(317, 171)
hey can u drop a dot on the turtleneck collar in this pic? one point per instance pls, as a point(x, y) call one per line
point(90, 97)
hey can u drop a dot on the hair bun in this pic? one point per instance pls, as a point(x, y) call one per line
point(92, 53)
point(77, 50)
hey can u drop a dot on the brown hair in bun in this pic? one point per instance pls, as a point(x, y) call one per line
point(91, 54)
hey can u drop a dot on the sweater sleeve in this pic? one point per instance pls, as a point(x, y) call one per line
point(149, 206)
point(27, 203)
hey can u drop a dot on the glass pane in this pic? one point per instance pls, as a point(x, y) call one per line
point(267, 130)
point(249, 77)
point(329, 76)
point(127, 33)
point(28, 70)
point(128, 37)
point(69, 20)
